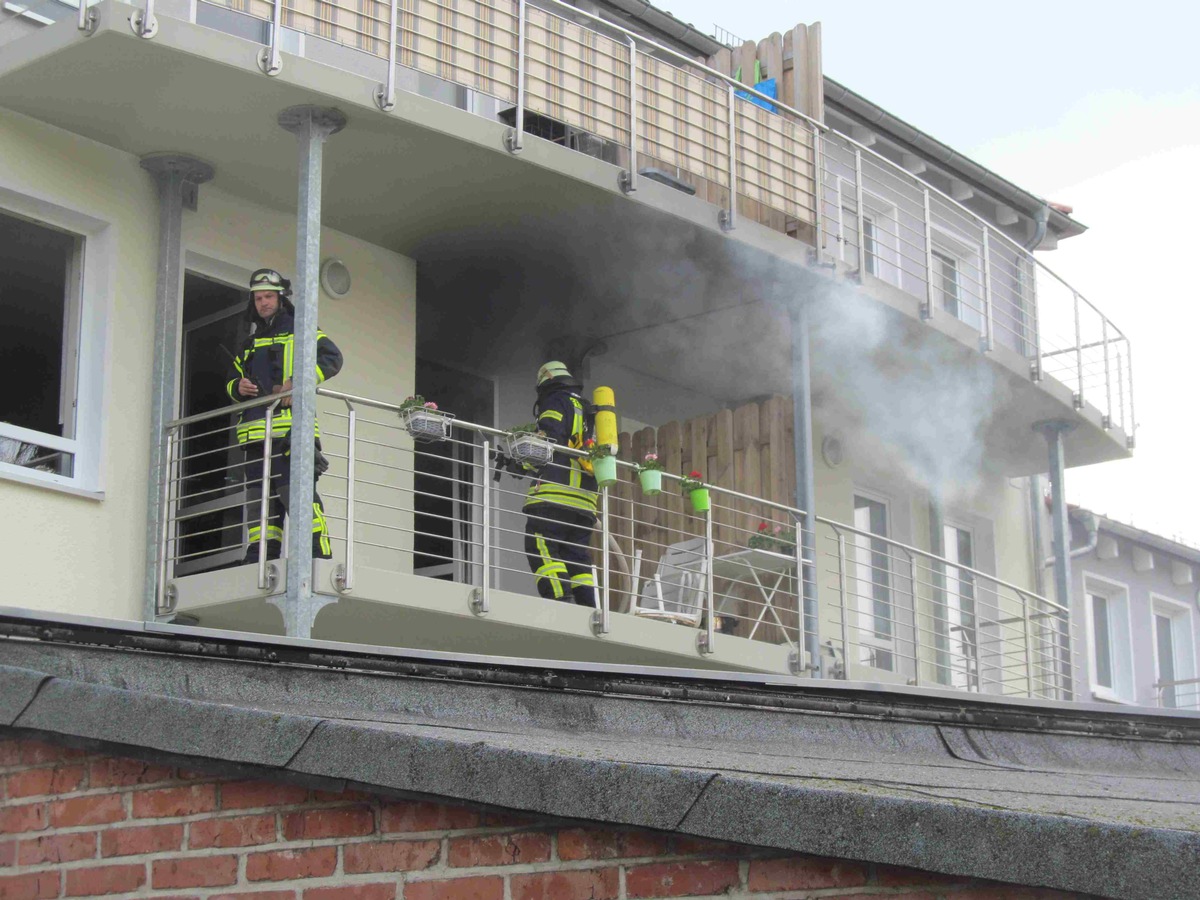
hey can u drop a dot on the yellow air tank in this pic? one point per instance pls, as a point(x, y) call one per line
point(606, 417)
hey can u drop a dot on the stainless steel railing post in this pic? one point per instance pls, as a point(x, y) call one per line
point(818, 192)
point(710, 628)
point(269, 60)
point(264, 503)
point(1131, 429)
point(1037, 370)
point(485, 554)
point(385, 94)
point(916, 619)
point(1078, 356)
point(1029, 680)
point(802, 592)
point(1108, 419)
point(346, 582)
point(988, 325)
point(860, 214)
point(628, 179)
point(605, 562)
point(728, 217)
point(168, 477)
point(928, 312)
point(841, 541)
point(515, 140)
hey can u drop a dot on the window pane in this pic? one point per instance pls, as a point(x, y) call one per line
point(38, 348)
point(1165, 639)
point(1102, 641)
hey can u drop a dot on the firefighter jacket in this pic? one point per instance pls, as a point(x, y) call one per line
point(568, 481)
point(267, 358)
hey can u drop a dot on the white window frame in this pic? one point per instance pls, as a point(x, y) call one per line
point(1117, 595)
point(968, 256)
point(1183, 640)
point(92, 310)
point(887, 265)
point(864, 605)
point(964, 670)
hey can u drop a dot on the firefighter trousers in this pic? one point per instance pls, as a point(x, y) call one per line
point(558, 547)
point(281, 466)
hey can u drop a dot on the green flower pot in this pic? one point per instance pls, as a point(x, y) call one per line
point(605, 470)
point(701, 502)
point(651, 480)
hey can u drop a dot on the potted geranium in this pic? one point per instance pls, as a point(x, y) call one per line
point(693, 487)
point(650, 471)
point(423, 420)
point(774, 538)
point(526, 444)
point(604, 463)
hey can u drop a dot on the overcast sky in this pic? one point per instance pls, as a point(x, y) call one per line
point(1092, 104)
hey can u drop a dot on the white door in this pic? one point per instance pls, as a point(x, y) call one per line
point(963, 647)
point(871, 586)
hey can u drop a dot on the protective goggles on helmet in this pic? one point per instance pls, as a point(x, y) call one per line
point(269, 280)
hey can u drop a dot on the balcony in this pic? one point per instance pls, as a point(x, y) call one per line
point(946, 277)
point(429, 554)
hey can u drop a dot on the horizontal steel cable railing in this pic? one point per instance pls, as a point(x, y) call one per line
point(748, 152)
point(902, 611)
point(724, 563)
point(1180, 693)
point(885, 222)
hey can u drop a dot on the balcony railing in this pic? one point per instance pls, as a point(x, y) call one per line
point(1181, 693)
point(737, 571)
point(632, 101)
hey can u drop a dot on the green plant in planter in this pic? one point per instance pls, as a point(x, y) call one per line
point(693, 487)
point(423, 420)
point(529, 445)
point(650, 471)
point(416, 401)
point(773, 538)
point(604, 463)
point(527, 428)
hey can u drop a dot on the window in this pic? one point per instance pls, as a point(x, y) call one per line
point(881, 239)
point(39, 303)
point(958, 277)
point(52, 345)
point(1109, 651)
point(1174, 655)
point(872, 585)
point(961, 668)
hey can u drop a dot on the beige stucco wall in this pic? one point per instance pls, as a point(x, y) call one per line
point(84, 555)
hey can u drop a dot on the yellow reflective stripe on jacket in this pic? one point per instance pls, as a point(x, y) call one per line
point(561, 495)
point(553, 414)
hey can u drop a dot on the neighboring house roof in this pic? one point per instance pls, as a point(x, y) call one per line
point(1071, 797)
point(1139, 536)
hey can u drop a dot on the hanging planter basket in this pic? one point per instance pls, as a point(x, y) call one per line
point(605, 470)
point(531, 448)
point(425, 426)
point(701, 501)
point(651, 480)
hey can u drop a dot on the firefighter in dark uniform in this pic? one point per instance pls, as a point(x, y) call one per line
point(264, 365)
point(562, 503)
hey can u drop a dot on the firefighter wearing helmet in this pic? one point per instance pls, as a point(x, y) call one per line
point(562, 503)
point(264, 366)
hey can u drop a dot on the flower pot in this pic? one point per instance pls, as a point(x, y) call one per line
point(426, 425)
point(651, 480)
point(605, 470)
point(701, 502)
point(527, 447)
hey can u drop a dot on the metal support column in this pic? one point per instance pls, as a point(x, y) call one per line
point(173, 174)
point(805, 486)
point(311, 125)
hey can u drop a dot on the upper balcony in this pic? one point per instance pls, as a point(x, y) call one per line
point(635, 232)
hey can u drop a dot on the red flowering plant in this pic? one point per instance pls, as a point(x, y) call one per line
point(416, 401)
point(693, 481)
point(773, 537)
point(650, 463)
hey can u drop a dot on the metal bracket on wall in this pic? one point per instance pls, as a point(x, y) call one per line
point(511, 144)
point(338, 578)
point(703, 647)
point(272, 578)
point(143, 22)
point(269, 61)
point(725, 220)
point(170, 598)
point(625, 182)
point(598, 623)
point(476, 602)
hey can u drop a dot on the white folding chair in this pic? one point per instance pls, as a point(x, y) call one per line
point(676, 592)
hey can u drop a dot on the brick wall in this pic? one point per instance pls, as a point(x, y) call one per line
point(74, 824)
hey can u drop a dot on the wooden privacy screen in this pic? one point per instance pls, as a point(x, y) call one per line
point(580, 77)
point(748, 449)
